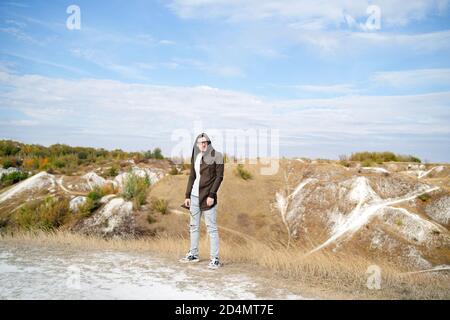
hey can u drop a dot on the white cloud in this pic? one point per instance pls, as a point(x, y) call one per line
point(20, 31)
point(24, 122)
point(227, 71)
point(110, 111)
point(423, 42)
point(145, 66)
point(19, 34)
point(46, 62)
point(145, 38)
point(15, 4)
point(16, 23)
point(309, 25)
point(269, 53)
point(412, 78)
point(167, 42)
point(394, 12)
point(221, 70)
point(170, 65)
point(48, 99)
point(322, 25)
point(340, 89)
point(138, 70)
point(378, 115)
point(343, 42)
point(135, 70)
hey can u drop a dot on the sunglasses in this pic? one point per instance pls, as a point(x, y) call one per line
point(202, 142)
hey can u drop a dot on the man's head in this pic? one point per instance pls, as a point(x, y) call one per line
point(202, 142)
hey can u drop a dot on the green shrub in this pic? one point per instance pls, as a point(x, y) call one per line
point(380, 157)
point(59, 163)
point(159, 205)
point(64, 161)
point(412, 159)
point(46, 214)
point(7, 163)
point(112, 171)
point(424, 197)
point(367, 163)
point(135, 189)
point(92, 202)
point(12, 177)
point(83, 155)
point(242, 172)
point(148, 154)
point(9, 148)
point(96, 194)
point(139, 200)
point(155, 154)
point(86, 209)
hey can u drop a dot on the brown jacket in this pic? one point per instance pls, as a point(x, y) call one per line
point(211, 174)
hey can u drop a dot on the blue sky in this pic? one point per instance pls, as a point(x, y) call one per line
point(138, 71)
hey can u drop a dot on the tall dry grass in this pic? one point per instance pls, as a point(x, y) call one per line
point(345, 275)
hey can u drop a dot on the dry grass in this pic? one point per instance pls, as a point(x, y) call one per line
point(342, 275)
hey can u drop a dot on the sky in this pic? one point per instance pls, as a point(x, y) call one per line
point(327, 78)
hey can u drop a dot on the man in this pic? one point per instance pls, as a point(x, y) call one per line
point(204, 180)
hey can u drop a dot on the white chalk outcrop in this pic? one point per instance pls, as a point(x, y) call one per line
point(76, 202)
point(439, 210)
point(94, 180)
point(115, 218)
point(381, 212)
point(41, 181)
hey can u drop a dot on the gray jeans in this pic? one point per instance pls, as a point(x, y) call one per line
point(211, 225)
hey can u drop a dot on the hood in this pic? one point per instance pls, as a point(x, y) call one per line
point(209, 154)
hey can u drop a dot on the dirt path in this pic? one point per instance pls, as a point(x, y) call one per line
point(60, 184)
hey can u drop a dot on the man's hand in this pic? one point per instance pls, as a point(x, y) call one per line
point(209, 201)
point(187, 202)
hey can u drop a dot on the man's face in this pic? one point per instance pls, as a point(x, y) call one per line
point(202, 143)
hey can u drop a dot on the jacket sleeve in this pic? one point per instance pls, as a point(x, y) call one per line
point(190, 180)
point(219, 176)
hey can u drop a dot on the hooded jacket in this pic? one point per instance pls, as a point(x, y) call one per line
point(211, 173)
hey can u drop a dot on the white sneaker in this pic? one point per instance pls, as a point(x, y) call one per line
point(189, 258)
point(214, 263)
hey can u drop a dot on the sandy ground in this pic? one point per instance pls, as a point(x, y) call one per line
point(37, 272)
